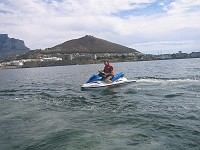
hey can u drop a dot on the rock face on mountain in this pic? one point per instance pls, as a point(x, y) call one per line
point(10, 47)
point(89, 44)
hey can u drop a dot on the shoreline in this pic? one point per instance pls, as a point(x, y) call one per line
point(81, 63)
point(9, 67)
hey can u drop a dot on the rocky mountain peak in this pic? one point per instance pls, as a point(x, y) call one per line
point(11, 46)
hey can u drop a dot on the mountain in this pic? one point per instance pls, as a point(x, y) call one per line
point(10, 47)
point(89, 44)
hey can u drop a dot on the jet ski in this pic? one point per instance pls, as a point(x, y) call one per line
point(97, 81)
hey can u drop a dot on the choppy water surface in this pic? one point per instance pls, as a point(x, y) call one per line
point(44, 108)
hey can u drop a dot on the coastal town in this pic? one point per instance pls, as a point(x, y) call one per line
point(87, 58)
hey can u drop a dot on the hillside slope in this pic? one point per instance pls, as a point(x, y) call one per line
point(89, 44)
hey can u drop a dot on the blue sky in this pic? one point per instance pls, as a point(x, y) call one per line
point(150, 26)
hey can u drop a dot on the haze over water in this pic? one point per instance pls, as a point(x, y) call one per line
point(44, 108)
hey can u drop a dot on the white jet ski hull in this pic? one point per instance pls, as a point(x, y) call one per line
point(100, 84)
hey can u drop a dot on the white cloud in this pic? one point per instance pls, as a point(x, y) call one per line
point(182, 6)
point(47, 23)
point(168, 46)
point(101, 7)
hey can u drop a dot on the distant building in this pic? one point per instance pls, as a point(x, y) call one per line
point(17, 63)
point(20, 63)
point(181, 55)
point(70, 57)
point(163, 56)
point(52, 59)
point(94, 57)
point(166, 56)
point(13, 63)
point(195, 55)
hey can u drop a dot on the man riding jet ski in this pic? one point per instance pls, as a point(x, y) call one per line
point(106, 78)
point(107, 73)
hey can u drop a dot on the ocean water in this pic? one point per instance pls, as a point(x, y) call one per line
point(45, 108)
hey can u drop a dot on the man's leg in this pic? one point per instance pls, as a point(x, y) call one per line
point(107, 80)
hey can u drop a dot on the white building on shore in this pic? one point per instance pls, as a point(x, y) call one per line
point(20, 63)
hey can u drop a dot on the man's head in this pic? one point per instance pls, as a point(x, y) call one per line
point(106, 62)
